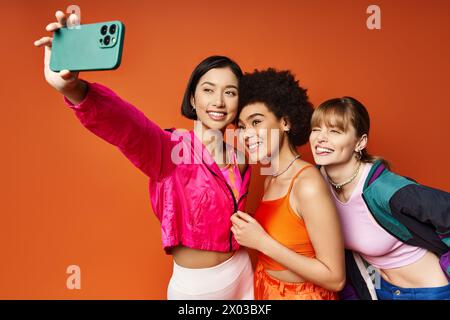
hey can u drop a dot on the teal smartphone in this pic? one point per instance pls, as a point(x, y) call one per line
point(88, 47)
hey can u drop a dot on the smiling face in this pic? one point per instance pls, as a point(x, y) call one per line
point(332, 145)
point(339, 132)
point(216, 98)
point(334, 139)
point(261, 131)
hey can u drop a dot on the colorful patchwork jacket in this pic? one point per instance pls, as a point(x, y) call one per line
point(413, 213)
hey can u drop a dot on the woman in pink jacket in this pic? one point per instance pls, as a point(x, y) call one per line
point(193, 193)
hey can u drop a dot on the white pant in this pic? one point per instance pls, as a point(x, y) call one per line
point(230, 280)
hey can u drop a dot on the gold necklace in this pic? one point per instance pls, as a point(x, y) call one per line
point(339, 186)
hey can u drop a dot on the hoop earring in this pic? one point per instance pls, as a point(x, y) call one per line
point(358, 154)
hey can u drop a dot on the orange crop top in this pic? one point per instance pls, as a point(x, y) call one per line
point(281, 222)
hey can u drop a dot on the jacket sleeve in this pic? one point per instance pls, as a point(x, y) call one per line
point(118, 122)
point(428, 205)
point(356, 287)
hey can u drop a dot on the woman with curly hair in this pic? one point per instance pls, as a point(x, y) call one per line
point(296, 227)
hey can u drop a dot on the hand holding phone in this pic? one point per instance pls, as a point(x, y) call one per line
point(65, 82)
point(88, 47)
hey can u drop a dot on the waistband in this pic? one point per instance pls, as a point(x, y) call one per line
point(270, 288)
point(261, 273)
point(393, 289)
point(214, 278)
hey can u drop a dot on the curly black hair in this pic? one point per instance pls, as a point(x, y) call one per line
point(283, 96)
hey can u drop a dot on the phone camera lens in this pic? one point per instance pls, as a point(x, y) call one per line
point(112, 29)
point(106, 40)
point(104, 30)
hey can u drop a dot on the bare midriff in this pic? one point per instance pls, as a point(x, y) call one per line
point(424, 273)
point(198, 259)
point(285, 275)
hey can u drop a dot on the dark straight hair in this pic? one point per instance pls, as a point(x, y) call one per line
point(209, 63)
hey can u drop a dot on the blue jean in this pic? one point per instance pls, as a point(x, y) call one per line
point(388, 291)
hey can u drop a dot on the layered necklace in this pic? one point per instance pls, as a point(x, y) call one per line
point(338, 186)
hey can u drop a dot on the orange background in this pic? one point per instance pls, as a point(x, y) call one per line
point(67, 197)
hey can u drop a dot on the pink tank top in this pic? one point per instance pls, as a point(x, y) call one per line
point(365, 236)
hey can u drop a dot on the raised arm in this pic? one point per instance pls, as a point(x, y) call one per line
point(108, 116)
point(118, 122)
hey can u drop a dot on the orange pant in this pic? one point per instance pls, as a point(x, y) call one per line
point(269, 288)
